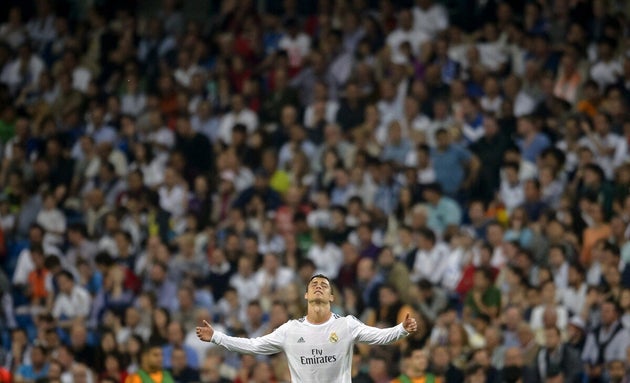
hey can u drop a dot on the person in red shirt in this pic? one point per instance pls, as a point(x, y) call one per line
point(113, 369)
point(466, 280)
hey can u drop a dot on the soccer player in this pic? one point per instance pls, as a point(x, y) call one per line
point(318, 346)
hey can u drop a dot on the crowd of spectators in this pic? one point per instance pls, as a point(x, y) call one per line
point(466, 161)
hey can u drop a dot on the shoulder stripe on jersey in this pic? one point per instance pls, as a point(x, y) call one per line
point(355, 318)
point(302, 319)
point(336, 316)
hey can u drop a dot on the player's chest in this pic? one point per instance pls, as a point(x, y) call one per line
point(316, 340)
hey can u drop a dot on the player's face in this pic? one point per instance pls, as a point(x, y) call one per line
point(319, 290)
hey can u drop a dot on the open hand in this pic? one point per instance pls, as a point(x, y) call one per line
point(409, 324)
point(206, 332)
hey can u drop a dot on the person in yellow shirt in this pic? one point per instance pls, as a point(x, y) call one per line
point(415, 368)
point(150, 371)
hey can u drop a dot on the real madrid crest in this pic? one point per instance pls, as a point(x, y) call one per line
point(333, 338)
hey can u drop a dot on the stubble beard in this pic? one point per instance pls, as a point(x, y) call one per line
point(317, 301)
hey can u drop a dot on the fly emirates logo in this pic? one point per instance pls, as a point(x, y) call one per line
point(317, 357)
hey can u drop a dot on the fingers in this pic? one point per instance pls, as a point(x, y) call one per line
point(410, 324)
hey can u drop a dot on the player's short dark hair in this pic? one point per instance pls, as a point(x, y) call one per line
point(319, 276)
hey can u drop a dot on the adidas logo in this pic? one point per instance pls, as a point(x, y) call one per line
point(301, 340)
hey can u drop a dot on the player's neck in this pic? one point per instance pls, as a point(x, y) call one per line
point(318, 313)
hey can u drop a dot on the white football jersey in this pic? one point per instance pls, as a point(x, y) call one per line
point(316, 353)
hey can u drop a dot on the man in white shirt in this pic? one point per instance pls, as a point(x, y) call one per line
point(298, 141)
point(429, 18)
point(318, 346)
point(429, 259)
point(523, 103)
point(72, 301)
point(25, 262)
point(607, 342)
point(244, 281)
point(81, 76)
point(173, 196)
point(297, 44)
point(420, 159)
point(559, 266)
point(548, 309)
point(239, 115)
point(326, 255)
point(607, 70)
point(390, 106)
point(511, 191)
point(526, 169)
point(272, 275)
point(609, 148)
point(405, 33)
point(13, 74)
point(186, 68)
point(573, 297)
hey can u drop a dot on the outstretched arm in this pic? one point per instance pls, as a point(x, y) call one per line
point(265, 345)
point(372, 335)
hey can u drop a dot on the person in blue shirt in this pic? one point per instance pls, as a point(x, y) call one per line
point(38, 367)
point(450, 162)
point(176, 335)
point(397, 147)
point(443, 211)
point(531, 141)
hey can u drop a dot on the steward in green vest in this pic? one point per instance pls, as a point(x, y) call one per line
point(150, 371)
point(415, 369)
